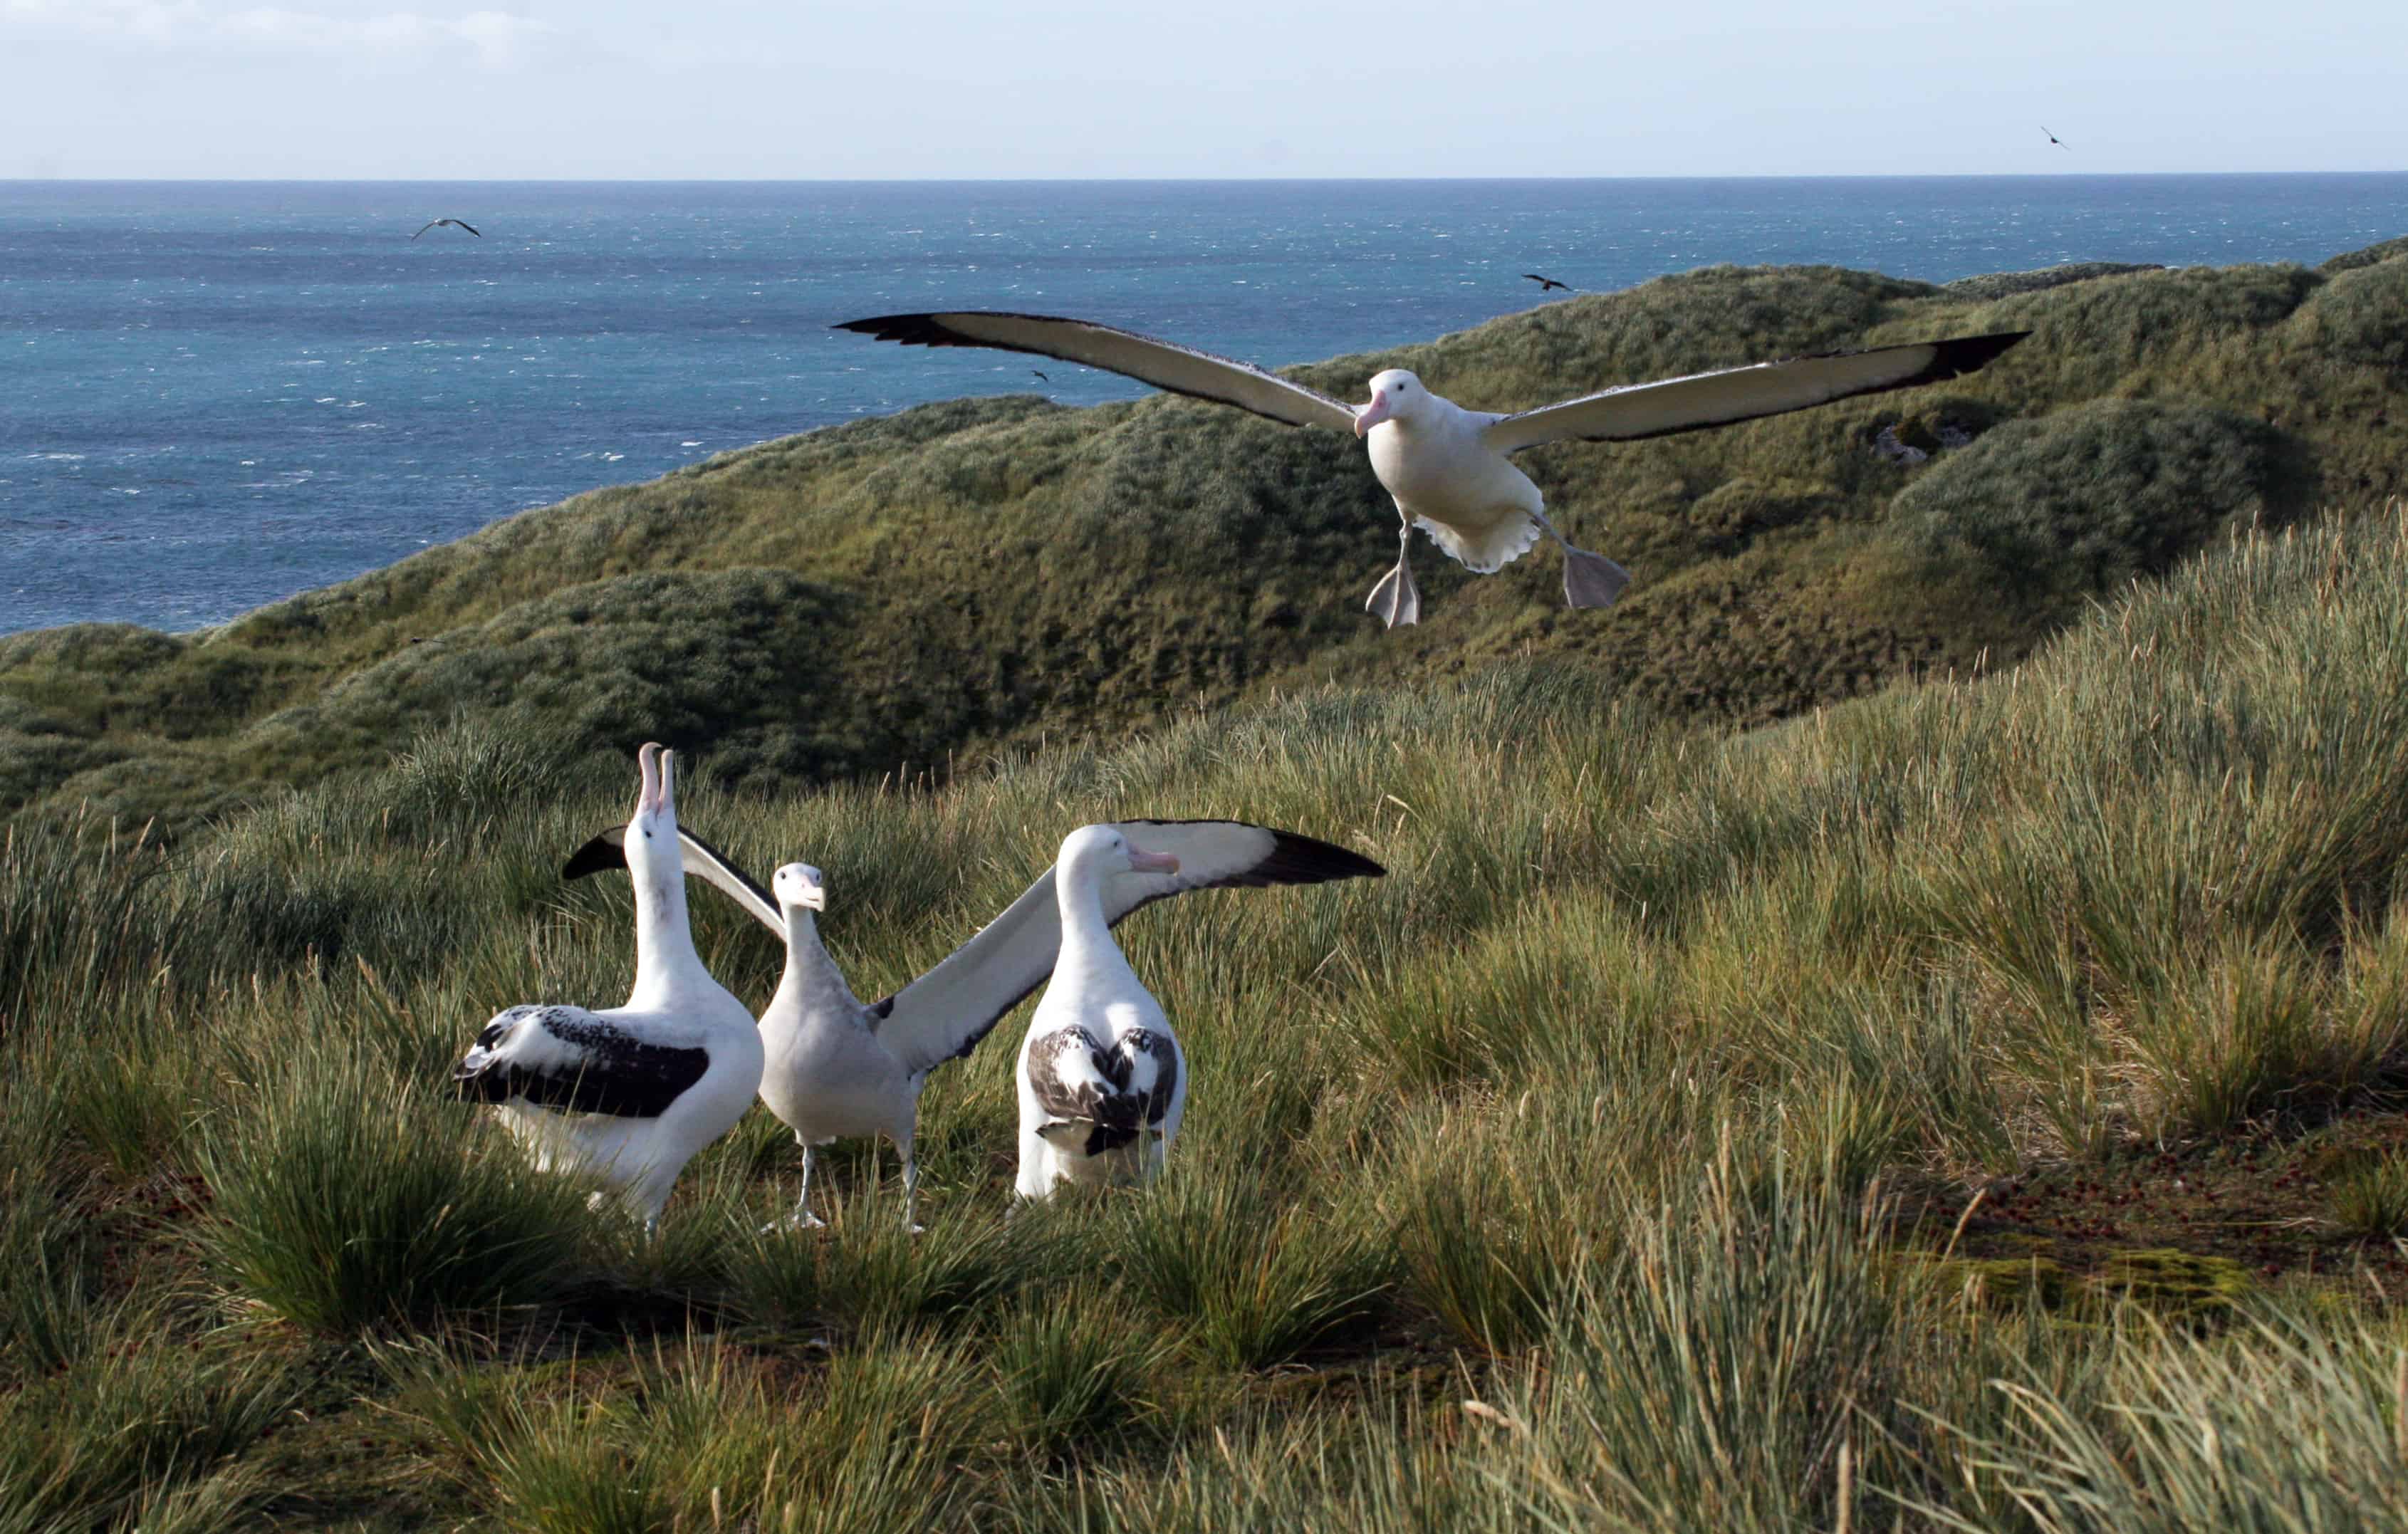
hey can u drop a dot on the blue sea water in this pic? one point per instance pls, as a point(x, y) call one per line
point(215, 394)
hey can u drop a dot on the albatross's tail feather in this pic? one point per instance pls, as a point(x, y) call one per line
point(1492, 548)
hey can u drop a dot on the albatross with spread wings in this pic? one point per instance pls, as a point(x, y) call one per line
point(1448, 469)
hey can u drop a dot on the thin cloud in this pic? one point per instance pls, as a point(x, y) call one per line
point(493, 39)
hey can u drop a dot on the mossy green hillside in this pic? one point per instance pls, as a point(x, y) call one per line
point(913, 592)
point(1589, 1170)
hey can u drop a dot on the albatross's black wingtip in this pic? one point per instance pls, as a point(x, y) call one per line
point(908, 329)
point(1955, 358)
point(598, 855)
point(1306, 860)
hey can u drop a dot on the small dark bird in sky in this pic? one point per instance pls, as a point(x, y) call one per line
point(2054, 139)
point(1040, 375)
point(455, 224)
point(1547, 284)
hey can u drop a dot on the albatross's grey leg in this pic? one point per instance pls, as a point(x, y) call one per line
point(802, 1219)
point(910, 1191)
point(1394, 600)
point(1590, 581)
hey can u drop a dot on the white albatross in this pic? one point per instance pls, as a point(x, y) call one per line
point(836, 1069)
point(632, 1093)
point(1102, 1083)
point(1447, 468)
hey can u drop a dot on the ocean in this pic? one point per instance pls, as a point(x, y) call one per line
point(213, 395)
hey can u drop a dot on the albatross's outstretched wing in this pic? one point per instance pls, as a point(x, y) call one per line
point(701, 859)
point(943, 1014)
point(1742, 394)
point(1182, 371)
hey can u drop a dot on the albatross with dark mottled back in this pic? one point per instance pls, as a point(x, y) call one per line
point(1103, 1084)
point(836, 1069)
point(632, 1093)
point(1445, 467)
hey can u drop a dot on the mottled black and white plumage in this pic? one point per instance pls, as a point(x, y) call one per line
point(577, 1061)
point(1097, 1096)
point(837, 1069)
point(629, 1094)
point(448, 223)
point(1445, 467)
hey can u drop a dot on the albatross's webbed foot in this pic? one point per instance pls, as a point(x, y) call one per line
point(1395, 601)
point(1591, 581)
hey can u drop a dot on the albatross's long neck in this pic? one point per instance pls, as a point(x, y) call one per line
point(666, 960)
point(1087, 947)
point(811, 981)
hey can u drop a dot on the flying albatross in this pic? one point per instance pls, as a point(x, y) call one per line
point(447, 223)
point(632, 1093)
point(837, 1069)
point(1547, 284)
point(1447, 468)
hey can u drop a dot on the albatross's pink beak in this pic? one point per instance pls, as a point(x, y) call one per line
point(654, 763)
point(1152, 862)
point(649, 794)
point(1373, 414)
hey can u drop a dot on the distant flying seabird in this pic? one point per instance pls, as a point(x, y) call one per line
point(451, 224)
point(1447, 468)
point(1547, 284)
point(1040, 375)
point(2054, 139)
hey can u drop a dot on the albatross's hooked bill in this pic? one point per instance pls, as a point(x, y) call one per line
point(632, 1093)
point(1445, 467)
point(836, 1069)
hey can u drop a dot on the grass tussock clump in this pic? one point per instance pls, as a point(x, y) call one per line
point(2088, 498)
point(347, 1200)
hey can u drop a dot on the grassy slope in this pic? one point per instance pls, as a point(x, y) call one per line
point(1621, 1107)
point(990, 573)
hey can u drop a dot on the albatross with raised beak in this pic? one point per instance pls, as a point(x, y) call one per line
point(629, 1094)
point(1448, 469)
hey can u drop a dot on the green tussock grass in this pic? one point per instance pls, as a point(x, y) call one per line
point(1601, 1166)
point(910, 594)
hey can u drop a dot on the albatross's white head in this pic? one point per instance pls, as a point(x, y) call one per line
point(799, 887)
point(1396, 395)
point(1093, 851)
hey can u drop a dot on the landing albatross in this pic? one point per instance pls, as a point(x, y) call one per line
point(837, 1069)
point(632, 1093)
point(1445, 467)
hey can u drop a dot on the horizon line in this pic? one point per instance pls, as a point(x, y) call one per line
point(1144, 180)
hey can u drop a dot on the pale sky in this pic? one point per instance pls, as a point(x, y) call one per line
point(610, 88)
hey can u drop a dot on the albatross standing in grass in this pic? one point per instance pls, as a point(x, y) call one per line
point(836, 1069)
point(632, 1093)
point(1447, 468)
point(1102, 1082)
